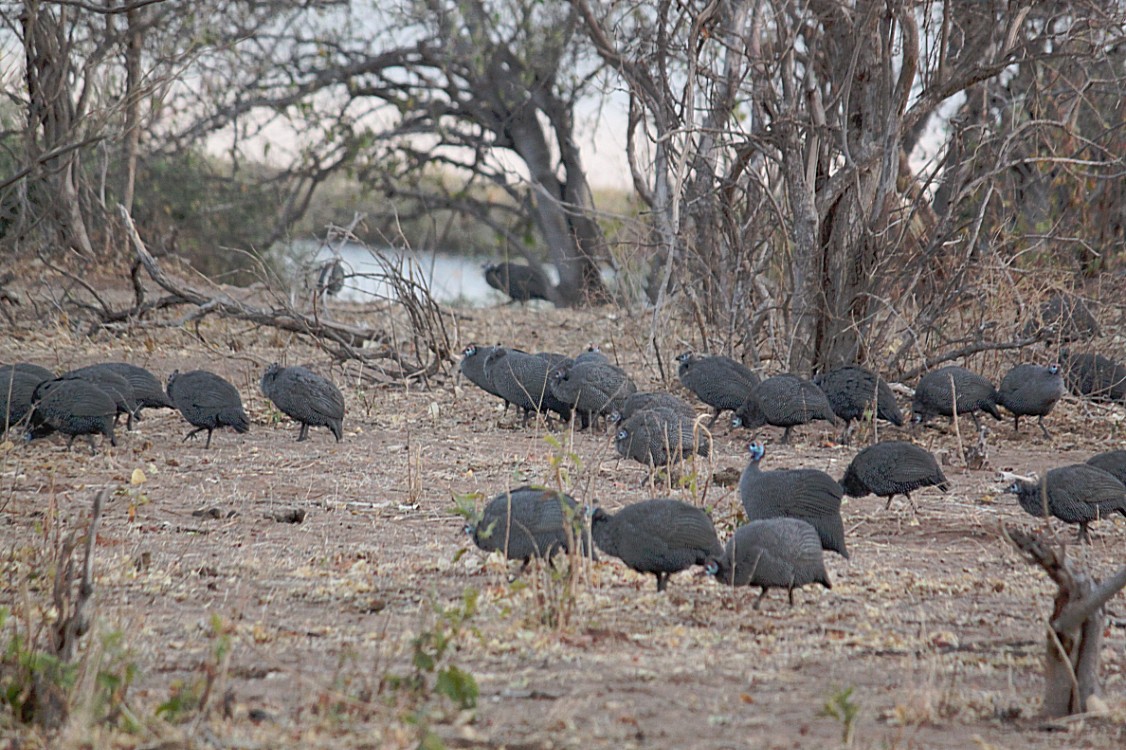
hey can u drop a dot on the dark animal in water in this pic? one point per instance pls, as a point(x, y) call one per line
point(891, 468)
point(854, 392)
point(808, 494)
point(937, 389)
point(74, 407)
point(660, 536)
point(772, 553)
point(521, 283)
point(659, 437)
point(1031, 390)
point(529, 522)
point(1093, 376)
point(783, 401)
point(207, 401)
point(718, 381)
point(306, 397)
point(1077, 493)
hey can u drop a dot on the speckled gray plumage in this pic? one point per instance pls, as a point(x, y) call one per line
point(1031, 390)
point(784, 401)
point(1093, 376)
point(112, 383)
point(720, 382)
point(635, 402)
point(472, 366)
point(852, 391)
point(1112, 462)
point(147, 391)
point(1077, 493)
point(773, 553)
point(592, 388)
point(72, 406)
point(521, 379)
point(306, 397)
point(528, 522)
point(16, 389)
point(1062, 318)
point(890, 468)
point(659, 437)
point(661, 537)
point(38, 372)
point(933, 395)
point(808, 494)
point(207, 402)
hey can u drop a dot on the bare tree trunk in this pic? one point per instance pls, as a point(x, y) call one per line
point(132, 105)
point(1071, 664)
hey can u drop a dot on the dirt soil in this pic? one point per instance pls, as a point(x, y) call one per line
point(936, 625)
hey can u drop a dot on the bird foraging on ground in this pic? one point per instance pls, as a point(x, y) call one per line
point(305, 397)
point(1076, 493)
point(661, 537)
point(207, 402)
point(772, 553)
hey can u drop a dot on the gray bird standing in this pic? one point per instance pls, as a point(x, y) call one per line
point(1031, 390)
point(661, 537)
point(808, 494)
point(854, 391)
point(936, 391)
point(890, 468)
point(306, 397)
point(207, 402)
point(772, 553)
point(720, 382)
point(529, 522)
point(1077, 493)
point(784, 401)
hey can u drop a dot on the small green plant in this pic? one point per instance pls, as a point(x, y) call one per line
point(188, 698)
point(843, 708)
point(433, 672)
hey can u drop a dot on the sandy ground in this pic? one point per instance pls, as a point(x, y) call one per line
point(936, 625)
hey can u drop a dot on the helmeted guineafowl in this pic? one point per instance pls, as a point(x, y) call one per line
point(520, 282)
point(529, 522)
point(120, 389)
point(147, 391)
point(854, 391)
point(1077, 493)
point(521, 379)
point(783, 401)
point(772, 553)
point(933, 395)
point(1093, 376)
point(651, 400)
point(207, 402)
point(1062, 318)
point(1112, 462)
point(591, 389)
point(472, 366)
point(720, 382)
point(891, 468)
point(16, 389)
point(1031, 390)
point(306, 397)
point(659, 437)
point(74, 407)
point(660, 536)
point(808, 494)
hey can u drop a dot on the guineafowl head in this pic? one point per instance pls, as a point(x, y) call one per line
point(756, 451)
point(1054, 368)
point(561, 374)
point(469, 351)
point(623, 435)
point(736, 421)
point(684, 357)
point(615, 417)
point(711, 567)
point(269, 376)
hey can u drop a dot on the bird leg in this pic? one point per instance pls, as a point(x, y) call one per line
point(758, 601)
point(1040, 421)
point(662, 581)
point(193, 433)
point(791, 592)
point(304, 433)
point(786, 436)
point(1084, 535)
point(208, 445)
point(1016, 423)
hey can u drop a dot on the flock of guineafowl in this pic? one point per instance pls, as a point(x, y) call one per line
point(88, 401)
point(792, 515)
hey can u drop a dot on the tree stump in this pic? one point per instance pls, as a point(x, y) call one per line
point(1071, 666)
